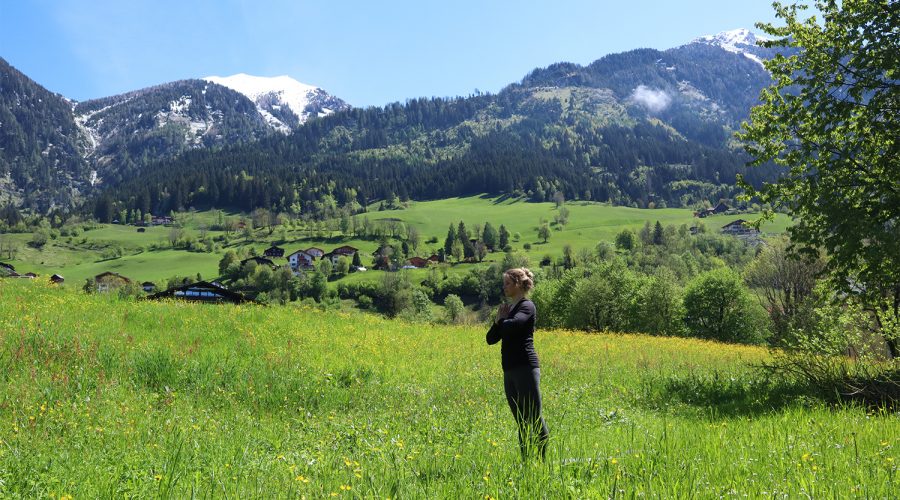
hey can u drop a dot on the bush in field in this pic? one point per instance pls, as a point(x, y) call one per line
point(455, 308)
point(606, 300)
point(309, 286)
point(394, 294)
point(553, 297)
point(364, 301)
point(343, 266)
point(718, 306)
point(131, 290)
point(39, 238)
point(419, 308)
point(660, 305)
point(784, 281)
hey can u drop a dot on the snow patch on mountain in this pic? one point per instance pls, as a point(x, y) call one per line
point(273, 95)
point(738, 41)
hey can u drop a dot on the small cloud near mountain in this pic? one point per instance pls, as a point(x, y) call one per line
point(654, 100)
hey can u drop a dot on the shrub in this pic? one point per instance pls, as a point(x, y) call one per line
point(454, 306)
point(364, 301)
point(660, 305)
point(718, 306)
point(607, 300)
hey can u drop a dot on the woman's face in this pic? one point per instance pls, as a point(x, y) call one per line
point(510, 289)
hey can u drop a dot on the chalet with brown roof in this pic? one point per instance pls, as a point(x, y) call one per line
point(274, 251)
point(26, 276)
point(317, 253)
point(161, 220)
point(7, 269)
point(739, 227)
point(201, 291)
point(109, 281)
point(434, 258)
point(345, 250)
point(418, 262)
point(337, 253)
point(721, 208)
point(301, 259)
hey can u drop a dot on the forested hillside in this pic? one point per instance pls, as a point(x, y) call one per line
point(40, 144)
point(643, 128)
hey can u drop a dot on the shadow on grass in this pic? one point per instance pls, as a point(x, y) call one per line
point(726, 394)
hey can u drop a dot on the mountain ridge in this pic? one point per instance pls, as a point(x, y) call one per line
point(564, 114)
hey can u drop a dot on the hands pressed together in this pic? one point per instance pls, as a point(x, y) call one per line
point(502, 312)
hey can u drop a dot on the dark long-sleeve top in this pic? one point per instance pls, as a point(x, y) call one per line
point(517, 334)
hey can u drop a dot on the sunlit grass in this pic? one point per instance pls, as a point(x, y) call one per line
point(146, 256)
point(101, 397)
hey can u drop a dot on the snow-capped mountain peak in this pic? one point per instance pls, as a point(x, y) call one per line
point(739, 41)
point(283, 101)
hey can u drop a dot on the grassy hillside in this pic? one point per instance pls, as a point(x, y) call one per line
point(80, 257)
point(101, 397)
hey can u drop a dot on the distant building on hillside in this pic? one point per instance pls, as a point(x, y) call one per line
point(57, 279)
point(300, 260)
point(110, 281)
point(721, 208)
point(274, 251)
point(317, 253)
point(739, 227)
point(161, 220)
point(418, 262)
point(201, 291)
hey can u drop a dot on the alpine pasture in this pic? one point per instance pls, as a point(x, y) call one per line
point(103, 397)
point(148, 256)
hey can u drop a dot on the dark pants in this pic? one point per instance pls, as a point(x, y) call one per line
point(523, 394)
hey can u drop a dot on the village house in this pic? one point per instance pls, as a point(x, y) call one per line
point(57, 279)
point(274, 251)
point(148, 286)
point(7, 269)
point(201, 291)
point(718, 209)
point(337, 253)
point(161, 220)
point(317, 253)
point(110, 281)
point(301, 260)
point(739, 227)
point(27, 276)
point(418, 262)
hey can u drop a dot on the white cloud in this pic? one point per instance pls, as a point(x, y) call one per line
point(652, 99)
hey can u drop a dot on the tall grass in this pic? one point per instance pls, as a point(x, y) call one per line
point(101, 397)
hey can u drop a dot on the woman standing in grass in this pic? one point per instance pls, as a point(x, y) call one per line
point(514, 325)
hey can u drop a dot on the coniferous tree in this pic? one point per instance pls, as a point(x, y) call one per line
point(503, 238)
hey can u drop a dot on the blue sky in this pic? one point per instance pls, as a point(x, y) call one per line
point(366, 52)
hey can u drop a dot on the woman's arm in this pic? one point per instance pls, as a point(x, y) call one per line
point(511, 325)
point(493, 335)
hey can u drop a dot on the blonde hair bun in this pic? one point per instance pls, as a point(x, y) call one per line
point(522, 277)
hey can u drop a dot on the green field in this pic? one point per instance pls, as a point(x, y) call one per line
point(80, 257)
point(107, 398)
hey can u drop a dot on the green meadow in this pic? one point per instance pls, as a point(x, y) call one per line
point(102, 397)
point(146, 256)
